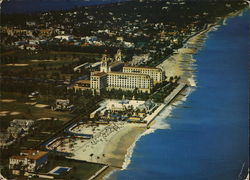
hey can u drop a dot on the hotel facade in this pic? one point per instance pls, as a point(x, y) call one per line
point(120, 80)
point(130, 79)
point(156, 74)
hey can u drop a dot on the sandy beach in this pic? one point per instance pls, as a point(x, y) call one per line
point(109, 148)
point(117, 147)
point(181, 63)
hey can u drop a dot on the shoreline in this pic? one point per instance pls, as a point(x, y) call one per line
point(181, 64)
point(117, 148)
point(129, 151)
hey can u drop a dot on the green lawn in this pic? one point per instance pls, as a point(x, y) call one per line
point(80, 170)
point(32, 112)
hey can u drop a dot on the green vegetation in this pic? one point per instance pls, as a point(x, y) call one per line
point(161, 94)
point(46, 65)
point(27, 111)
point(80, 170)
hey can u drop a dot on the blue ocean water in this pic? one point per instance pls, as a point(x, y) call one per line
point(209, 140)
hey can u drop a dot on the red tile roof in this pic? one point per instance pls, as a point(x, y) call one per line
point(30, 154)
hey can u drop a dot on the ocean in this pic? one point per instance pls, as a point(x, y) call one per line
point(208, 134)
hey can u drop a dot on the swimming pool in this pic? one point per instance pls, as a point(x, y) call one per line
point(58, 170)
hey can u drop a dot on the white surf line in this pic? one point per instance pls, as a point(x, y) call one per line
point(241, 171)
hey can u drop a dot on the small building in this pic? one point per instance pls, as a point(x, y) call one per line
point(120, 38)
point(28, 160)
point(31, 47)
point(140, 59)
point(63, 105)
point(5, 138)
point(65, 37)
point(33, 94)
point(128, 44)
point(15, 131)
point(22, 124)
point(90, 39)
point(147, 107)
point(81, 85)
point(34, 42)
point(45, 32)
point(30, 23)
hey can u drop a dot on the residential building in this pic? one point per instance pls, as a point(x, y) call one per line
point(139, 59)
point(5, 139)
point(22, 123)
point(28, 160)
point(81, 85)
point(15, 131)
point(30, 23)
point(62, 105)
point(65, 37)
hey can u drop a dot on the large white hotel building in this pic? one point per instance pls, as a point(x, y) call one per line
point(155, 74)
point(131, 78)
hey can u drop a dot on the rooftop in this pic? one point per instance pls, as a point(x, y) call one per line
point(138, 67)
point(30, 154)
point(98, 73)
point(129, 74)
point(83, 81)
point(115, 63)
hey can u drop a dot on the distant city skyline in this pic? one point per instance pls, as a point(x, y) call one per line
point(33, 6)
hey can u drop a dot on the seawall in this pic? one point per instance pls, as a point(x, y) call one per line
point(168, 99)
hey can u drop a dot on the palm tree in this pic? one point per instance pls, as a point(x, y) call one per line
point(91, 155)
point(171, 79)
